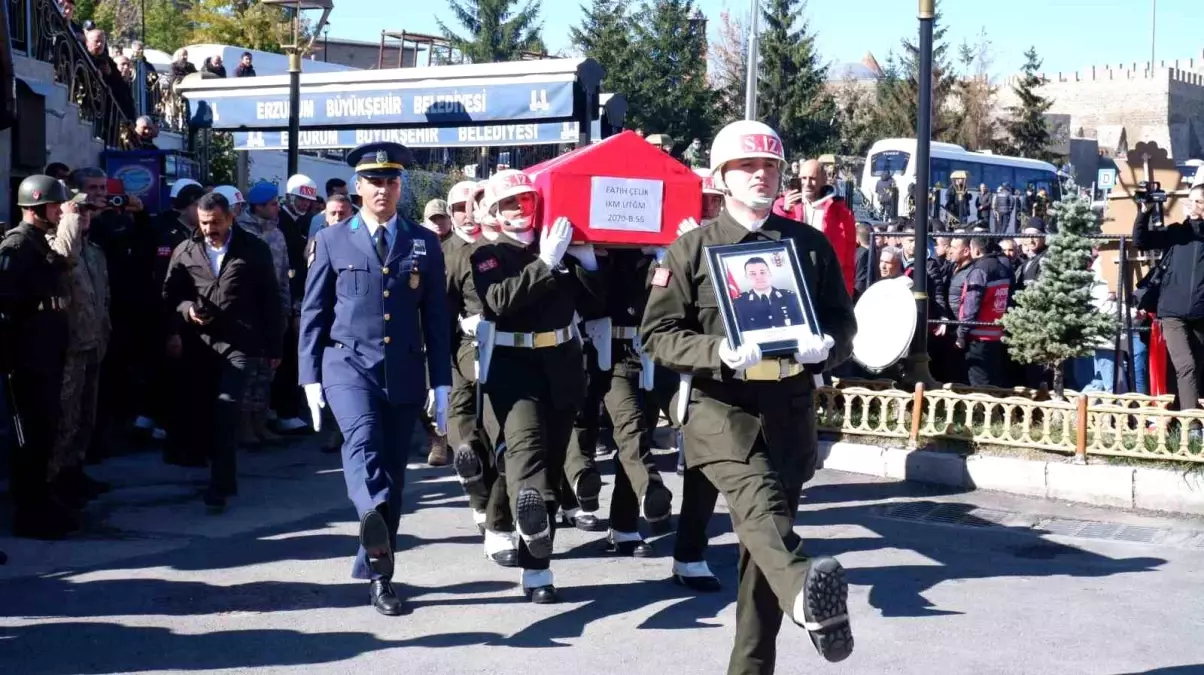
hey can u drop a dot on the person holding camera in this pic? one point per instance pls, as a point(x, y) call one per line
point(222, 285)
point(1180, 303)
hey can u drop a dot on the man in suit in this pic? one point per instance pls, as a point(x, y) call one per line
point(374, 318)
point(765, 306)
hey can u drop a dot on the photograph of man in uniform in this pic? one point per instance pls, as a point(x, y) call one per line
point(767, 304)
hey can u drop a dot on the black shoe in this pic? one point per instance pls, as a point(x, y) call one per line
point(215, 500)
point(376, 540)
point(50, 521)
point(589, 489)
point(699, 584)
point(467, 465)
point(586, 522)
point(630, 549)
point(384, 599)
point(91, 486)
point(67, 491)
point(658, 504)
point(531, 519)
point(507, 558)
point(825, 609)
point(544, 595)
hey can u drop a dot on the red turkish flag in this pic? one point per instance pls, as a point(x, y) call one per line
point(733, 289)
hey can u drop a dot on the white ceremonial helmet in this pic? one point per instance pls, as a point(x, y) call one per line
point(708, 182)
point(302, 186)
point(231, 193)
point(503, 184)
point(461, 193)
point(181, 184)
point(744, 139)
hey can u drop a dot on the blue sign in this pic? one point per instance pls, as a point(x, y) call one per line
point(139, 171)
point(341, 108)
point(502, 135)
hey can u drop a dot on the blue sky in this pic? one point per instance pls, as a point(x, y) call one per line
point(1069, 34)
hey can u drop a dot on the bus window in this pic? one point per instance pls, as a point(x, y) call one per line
point(995, 176)
point(973, 171)
point(894, 161)
point(940, 169)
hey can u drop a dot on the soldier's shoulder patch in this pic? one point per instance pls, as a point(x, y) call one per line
point(164, 251)
point(661, 277)
point(487, 264)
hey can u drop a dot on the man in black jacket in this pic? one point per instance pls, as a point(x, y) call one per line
point(222, 285)
point(1181, 295)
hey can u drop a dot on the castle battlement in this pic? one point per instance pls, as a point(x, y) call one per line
point(1187, 71)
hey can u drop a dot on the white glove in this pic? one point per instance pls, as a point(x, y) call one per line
point(429, 406)
point(468, 324)
point(585, 255)
point(313, 396)
point(687, 225)
point(441, 394)
point(747, 356)
point(554, 241)
point(814, 349)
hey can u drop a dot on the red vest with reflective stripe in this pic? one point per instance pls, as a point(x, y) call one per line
point(994, 304)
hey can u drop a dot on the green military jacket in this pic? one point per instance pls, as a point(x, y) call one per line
point(682, 330)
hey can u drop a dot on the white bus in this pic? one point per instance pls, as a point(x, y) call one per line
point(896, 156)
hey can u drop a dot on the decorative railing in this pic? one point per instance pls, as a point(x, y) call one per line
point(54, 40)
point(1128, 425)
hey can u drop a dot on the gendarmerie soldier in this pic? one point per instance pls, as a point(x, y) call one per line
point(373, 328)
point(297, 212)
point(750, 426)
point(617, 377)
point(34, 295)
point(531, 363)
point(473, 457)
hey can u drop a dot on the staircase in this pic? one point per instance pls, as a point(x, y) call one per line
point(70, 138)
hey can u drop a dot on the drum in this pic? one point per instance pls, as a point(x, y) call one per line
point(886, 324)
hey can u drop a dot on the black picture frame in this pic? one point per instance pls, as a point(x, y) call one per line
point(792, 312)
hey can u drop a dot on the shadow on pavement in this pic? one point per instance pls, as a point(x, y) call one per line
point(39, 649)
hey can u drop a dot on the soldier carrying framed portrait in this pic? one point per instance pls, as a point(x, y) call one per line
point(763, 295)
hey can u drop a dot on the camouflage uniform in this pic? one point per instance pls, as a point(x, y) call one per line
point(88, 338)
point(259, 371)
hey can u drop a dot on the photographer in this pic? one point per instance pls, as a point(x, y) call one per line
point(1181, 289)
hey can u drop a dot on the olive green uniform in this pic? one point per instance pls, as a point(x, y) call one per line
point(755, 440)
point(488, 494)
point(533, 391)
point(633, 411)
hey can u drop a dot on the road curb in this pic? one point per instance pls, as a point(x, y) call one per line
point(1094, 484)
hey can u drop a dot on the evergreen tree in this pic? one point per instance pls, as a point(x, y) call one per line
point(792, 96)
point(902, 111)
point(669, 91)
point(1027, 130)
point(1053, 319)
point(885, 120)
point(604, 35)
point(495, 29)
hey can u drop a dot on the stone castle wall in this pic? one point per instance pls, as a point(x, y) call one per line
point(1128, 103)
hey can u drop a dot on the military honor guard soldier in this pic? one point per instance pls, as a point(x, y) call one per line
point(750, 425)
point(531, 358)
point(374, 327)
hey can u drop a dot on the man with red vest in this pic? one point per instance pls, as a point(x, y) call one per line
point(984, 299)
point(817, 204)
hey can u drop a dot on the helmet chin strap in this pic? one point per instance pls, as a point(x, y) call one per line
point(522, 236)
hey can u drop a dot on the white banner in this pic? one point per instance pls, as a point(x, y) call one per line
point(625, 204)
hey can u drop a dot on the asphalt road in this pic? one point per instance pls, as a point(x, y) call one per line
point(958, 583)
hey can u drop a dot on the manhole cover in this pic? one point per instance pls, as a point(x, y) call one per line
point(1142, 535)
point(949, 513)
point(911, 510)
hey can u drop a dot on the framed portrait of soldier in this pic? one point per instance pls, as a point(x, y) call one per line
point(763, 295)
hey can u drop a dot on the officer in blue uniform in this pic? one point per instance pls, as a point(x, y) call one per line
point(765, 306)
point(373, 329)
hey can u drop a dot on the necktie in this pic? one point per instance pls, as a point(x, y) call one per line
point(382, 245)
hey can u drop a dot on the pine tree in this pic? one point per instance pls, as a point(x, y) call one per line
point(1026, 128)
point(604, 35)
point(495, 29)
point(792, 95)
point(1053, 319)
point(902, 110)
point(670, 93)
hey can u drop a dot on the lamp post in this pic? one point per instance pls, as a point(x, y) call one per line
point(295, 51)
point(916, 366)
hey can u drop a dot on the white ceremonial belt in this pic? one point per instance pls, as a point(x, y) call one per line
point(552, 338)
point(625, 332)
